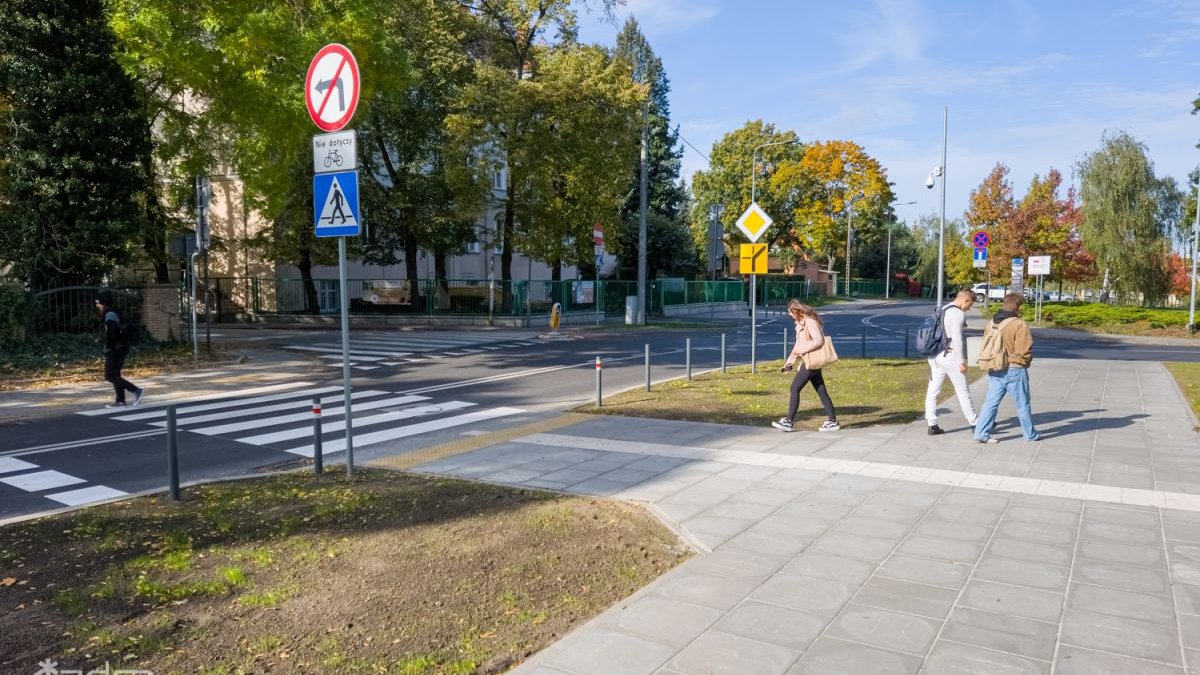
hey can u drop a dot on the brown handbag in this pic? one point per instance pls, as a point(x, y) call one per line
point(821, 356)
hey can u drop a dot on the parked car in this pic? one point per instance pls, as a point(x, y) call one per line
point(1055, 296)
point(994, 292)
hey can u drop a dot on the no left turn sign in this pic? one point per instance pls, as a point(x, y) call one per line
point(331, 87)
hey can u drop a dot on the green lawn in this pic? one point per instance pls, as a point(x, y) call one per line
point(1187, 375)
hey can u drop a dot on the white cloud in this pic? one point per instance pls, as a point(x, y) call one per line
point(670, 16)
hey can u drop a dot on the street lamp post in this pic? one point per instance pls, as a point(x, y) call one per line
point(940, 171)
point(887, 273)
point(754, 277)
point(1192, 285)
point(849, 217)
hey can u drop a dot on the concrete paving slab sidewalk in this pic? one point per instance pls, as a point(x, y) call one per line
point(885, 550)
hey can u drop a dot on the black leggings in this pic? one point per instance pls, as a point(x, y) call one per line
point(803, 377)
point(113, 361)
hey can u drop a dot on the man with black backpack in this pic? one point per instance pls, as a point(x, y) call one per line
point(116, 348)
point(947, 352)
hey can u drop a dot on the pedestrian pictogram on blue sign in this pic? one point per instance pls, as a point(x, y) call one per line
point(335, 204)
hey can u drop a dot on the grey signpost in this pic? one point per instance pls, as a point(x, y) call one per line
point(336, 211)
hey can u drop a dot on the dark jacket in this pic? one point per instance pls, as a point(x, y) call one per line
point(114, 340)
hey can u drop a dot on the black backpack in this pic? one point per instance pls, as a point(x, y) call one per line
point(931, 336)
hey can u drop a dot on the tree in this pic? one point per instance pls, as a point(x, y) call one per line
point(1128, 216)
point(957, 258)
point(991, 208)
point(75, 190)
point(667, 197)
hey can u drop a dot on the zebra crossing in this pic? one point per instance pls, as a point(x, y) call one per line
point(281, 416)
point(370, 352)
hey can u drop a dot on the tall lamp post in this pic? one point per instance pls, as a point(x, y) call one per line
point(849, 217)
point(754, 277)
point(1192, 285)
point(940, 172)
point(887, 274)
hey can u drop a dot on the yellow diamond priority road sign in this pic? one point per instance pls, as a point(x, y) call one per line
point(754, 222)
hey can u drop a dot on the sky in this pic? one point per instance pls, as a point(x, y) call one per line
point(1032, 85)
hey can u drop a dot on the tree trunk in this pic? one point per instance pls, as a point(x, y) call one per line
point(311, 304)
point(411, 252)
point(442, 293)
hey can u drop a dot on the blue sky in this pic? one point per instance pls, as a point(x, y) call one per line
point(1032, 85)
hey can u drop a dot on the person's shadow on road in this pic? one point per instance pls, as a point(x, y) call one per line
point(1079, 422)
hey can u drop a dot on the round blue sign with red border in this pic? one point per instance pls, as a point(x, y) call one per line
point(981, 239)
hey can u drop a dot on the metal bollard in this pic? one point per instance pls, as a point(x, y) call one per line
point(318, 458)
point(647, 367)
point(598, 389)
point(687, 350)
point(722, 353)
point(864, 342)
point(906, 343)
point(172, 454)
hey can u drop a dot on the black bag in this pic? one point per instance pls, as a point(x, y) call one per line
point(931, 336)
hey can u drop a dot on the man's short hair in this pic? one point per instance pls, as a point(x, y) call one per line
point(965, 294)
point(1012, 302)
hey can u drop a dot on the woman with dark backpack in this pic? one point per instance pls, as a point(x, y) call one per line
point(116, 348)
point(810, 337)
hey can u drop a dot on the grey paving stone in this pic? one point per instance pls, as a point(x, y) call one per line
point(1121, 636)
point(807, 509)
point(603, 651)
point(511, 476)
point(1142, 606)
point(1076, 661)
point(1187, 598)
point(835, 568)
point(785, 523)
point(1189, 631)
point(948, 658)
point(828, 656)
point(952, 550)
point(945, 530)
point(543, 670)
point(1123, 577)
point(1108, 551)
point(717, 653)
point(885, 509)
point(884, 629)
point(773, 624)
point(760, 495)
point(1119, 515)
point(906, 596)
point(738, 564)
point(855, 546)
point(819, 597)
point(964, 513)
point(1046, 554)
point(1125, 534)
point(1022, 573)
point(706, 524)
point(1026, 514)
point(1025, 637)
point(1059, 504)
point(871, 527)
point(770, 543)
point(1059, 535)
point(597, 487)
point(926, 571)
point(665, 620)
point(1012, 600)
point(706, 590)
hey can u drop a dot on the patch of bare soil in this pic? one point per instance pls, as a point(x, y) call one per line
point(299, 574)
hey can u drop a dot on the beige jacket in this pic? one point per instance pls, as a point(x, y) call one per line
point(809, 338)
point(1016, 338)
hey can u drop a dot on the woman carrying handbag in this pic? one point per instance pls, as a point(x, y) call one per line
point(814, 352)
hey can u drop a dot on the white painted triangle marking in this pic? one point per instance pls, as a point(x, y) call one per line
point(408, 430)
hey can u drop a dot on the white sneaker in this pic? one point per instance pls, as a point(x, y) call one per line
point(783, 424)
point(137, 398)
point(116, 405)
point(830, 425)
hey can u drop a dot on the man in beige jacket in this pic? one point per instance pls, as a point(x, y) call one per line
point(1018, 347)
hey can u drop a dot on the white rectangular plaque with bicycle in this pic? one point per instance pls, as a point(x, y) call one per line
point(335, 152)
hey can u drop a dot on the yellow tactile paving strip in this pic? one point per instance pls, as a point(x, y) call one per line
point(470, 444)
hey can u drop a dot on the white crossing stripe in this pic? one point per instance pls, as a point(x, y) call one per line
point(408, 430)
point(359, 422)
point(11, 464)
point(356, 357)
point(300, 417)
point(86, 495)
point(230, 403)
point(207, 397)
point(299, 404)
point(41, 480)
point(353, 352)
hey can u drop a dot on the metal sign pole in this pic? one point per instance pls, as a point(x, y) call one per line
point(345, 306)
point(753, 322)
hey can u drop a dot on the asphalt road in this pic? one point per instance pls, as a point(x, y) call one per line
point(414, 389)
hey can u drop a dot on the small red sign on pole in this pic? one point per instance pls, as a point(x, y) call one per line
point(598, 234)
point(331, 87)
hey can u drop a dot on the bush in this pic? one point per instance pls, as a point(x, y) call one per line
point(1099, 314)
point(14, 317)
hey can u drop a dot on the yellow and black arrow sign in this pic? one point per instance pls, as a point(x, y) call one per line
point(753, 259)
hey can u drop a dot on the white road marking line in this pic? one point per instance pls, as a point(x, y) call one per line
point(300, 417)
point(299, 404)
point(230, 403)
point(41, 480)
point(207, 397)
point(356, 357)
point(86, 495)
point(359, 422)
point(409, 430)
point(67, 445)
point(338, 350)
point(10, 464)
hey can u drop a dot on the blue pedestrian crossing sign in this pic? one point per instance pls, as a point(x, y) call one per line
point(335, 204)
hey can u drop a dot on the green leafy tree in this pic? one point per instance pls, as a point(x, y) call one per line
point(75, 192)
point(1128, 217)
point(958, 259)
point(667, 197)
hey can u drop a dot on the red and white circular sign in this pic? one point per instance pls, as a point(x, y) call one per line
point(331, 87)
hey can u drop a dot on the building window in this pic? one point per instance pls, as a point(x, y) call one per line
point(474, 247)
point(498, 180)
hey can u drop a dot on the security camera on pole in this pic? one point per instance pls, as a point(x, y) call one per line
point(331, 91)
